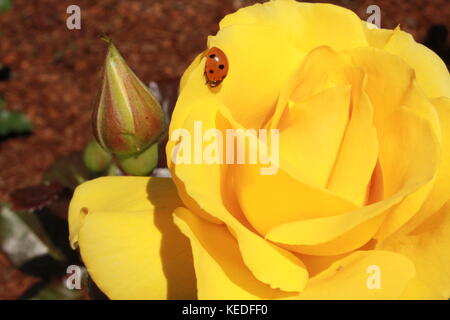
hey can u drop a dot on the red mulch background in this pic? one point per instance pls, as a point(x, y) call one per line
point(54, 71)
point(13, 283)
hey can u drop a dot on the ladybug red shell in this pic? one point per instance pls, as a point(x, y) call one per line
point(216, 67)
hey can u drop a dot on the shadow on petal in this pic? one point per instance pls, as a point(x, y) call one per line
point(174, 247)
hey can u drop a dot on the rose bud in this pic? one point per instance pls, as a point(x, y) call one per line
point(127, 118)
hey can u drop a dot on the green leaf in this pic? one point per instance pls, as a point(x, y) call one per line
point(5, 5)
point(23, 238)
point(12, 122)
point(70, 171)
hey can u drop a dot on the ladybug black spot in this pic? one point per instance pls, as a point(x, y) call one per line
point(212, 56)
point(221, 67)
point(211, 71)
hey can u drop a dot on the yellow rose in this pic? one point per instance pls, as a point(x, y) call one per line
point(358, 207)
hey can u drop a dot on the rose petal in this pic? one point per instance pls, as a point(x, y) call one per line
point(416, 142)
point(312, 132)
point(427, 247)
point(221, 272)
point(304, 23)
point(205, 185)
point(259, 57)
point(440, 191)
point(348, 278)
point(431, 72)
point(127, 239)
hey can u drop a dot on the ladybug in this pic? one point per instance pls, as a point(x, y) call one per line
point(216, 67)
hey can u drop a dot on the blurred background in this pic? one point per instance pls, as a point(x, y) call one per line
point(49, 78)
